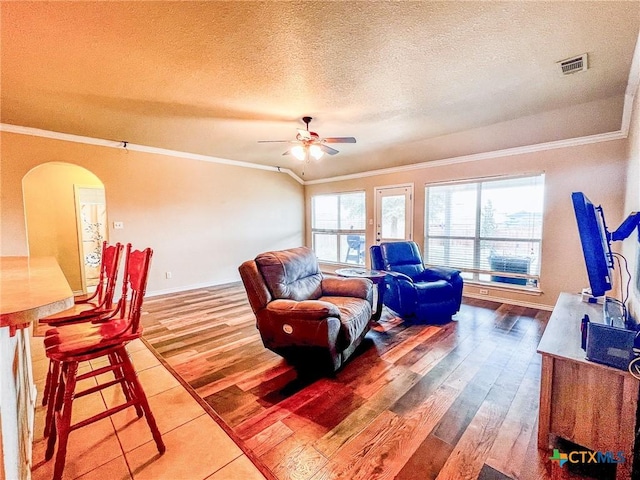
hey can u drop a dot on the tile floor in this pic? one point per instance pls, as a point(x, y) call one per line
point(121, 447)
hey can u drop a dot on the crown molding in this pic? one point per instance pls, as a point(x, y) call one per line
point(570, 142)
point(507, 152)
point(37, 132)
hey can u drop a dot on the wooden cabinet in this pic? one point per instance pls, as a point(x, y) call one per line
point(584, 402)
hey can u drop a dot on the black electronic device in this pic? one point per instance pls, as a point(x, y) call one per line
point(596, 247)
point(596, 240)
point(609, 340)
point(584, 326)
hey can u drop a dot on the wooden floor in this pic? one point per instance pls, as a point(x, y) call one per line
point(458, 401)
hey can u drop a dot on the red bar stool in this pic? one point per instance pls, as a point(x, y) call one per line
point(68, 345)
point(87, 307)
point(101, 301)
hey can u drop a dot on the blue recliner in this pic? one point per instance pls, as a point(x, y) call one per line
point(412, 291)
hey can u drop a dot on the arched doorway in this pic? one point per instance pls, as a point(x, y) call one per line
point(65, 212)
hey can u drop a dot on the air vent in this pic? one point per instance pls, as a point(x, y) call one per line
point(574, 64)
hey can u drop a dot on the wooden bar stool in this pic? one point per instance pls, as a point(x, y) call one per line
point(101, 301)
point(87, 307)
point(69, 345)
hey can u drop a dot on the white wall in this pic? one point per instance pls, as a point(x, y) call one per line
point(202, 219)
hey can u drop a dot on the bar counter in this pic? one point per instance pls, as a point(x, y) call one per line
point(30, 288)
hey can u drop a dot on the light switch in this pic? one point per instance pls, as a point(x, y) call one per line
point(118, 225)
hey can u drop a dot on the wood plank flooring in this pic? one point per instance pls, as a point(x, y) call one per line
point(457, 401)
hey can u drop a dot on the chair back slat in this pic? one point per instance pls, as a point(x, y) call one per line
point(111, 255)
point(122, 303)
point(102, 277)
point(136, 273)
point(138, 276)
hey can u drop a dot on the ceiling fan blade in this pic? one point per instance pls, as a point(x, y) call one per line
point(329, 150)
point(339, 140)
point(274, 141)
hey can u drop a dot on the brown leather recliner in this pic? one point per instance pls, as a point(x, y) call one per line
point(303, 316)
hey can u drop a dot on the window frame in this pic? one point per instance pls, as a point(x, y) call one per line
point(339, 232)
point(477, 239)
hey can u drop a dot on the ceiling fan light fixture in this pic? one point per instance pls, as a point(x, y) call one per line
point(298, 152)
point(309, 144)
point(316, 152)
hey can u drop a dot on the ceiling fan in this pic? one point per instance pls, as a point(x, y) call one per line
point(309, 144)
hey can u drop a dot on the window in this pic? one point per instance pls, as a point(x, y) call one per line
point(489, 229)
point(338, 227)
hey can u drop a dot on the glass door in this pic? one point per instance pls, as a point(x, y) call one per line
point(394, 213)
point(91, 218)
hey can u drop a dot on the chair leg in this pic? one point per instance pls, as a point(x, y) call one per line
point(127, 387)
point(53, 379)
point(47, 385)
point(141, 398)
point(56, 402)
point(63, 420)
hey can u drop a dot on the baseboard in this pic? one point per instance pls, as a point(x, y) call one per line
point(184, 288)
point(509, 301)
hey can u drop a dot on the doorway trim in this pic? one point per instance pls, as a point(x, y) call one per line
point(408, 212)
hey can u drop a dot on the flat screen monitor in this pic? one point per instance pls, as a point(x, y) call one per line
point(595, 243)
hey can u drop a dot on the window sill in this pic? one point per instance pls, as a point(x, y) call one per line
point(534, 291)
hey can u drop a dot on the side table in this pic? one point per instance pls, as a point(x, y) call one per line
point(376, 276)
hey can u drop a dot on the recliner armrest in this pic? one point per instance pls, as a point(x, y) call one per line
point(347, 287)
point(304, 310)
point(402, 288)
point(439, 273)
point(399, 276)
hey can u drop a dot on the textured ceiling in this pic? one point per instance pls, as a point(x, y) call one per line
point(412, 81)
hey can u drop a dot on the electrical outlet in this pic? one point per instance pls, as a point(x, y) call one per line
point(118, 225)
point(484, 291)
point(167, 275)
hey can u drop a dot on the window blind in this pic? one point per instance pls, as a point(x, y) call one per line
point(490, 229)
point(338, 224)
